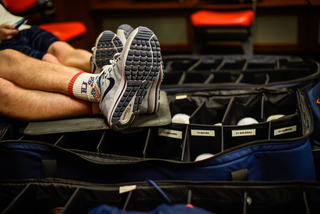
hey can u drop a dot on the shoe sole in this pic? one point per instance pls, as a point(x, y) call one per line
point(108, 44)
point(127, 30)
point(141, 67)
point(154, 95)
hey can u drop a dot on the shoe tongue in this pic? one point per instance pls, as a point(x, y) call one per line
point(108, 68)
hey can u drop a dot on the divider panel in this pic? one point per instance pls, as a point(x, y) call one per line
point(210, 112)
point(237, 135)
point(254, 78)
point(203, 139)
point(85, 199)
point(166, 142)
point(127, 143)
point(181, 64)
point(172, 78)
point(40, 199)
point(50, 138)
point(243, 106)
point(8, 193)
point(196, 77)
point(280, 103)
point(86, 141)
point(225, 77)
point(286, 127)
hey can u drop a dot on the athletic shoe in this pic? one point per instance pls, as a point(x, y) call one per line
point(150, 103)
point(124, 32)
point(93, 66)
point(107, 44)
point(125, 83)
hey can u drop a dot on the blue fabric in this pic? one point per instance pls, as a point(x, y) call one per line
point(314, 101)
point(161, 209)
point(33, 42)
point(276, 161)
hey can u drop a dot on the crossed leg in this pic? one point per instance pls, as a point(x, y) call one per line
point(70, 56)
point(31, 89)
point(31, 73)
point(33, 105)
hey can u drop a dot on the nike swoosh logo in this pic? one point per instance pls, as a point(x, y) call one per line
point(318, 100)
point(109, 87)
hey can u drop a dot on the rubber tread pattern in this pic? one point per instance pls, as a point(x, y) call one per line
point(108, 45)
point(142, 68)
point(127, 30)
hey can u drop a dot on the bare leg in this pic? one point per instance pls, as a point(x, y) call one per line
point(31, 105)
point(69, 56)
point(30, 73)
point(50, 58)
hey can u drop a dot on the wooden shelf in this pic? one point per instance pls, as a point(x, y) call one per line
point(221, 5)
point(282, 3)
point(93, 12)
point(190, 4)
point(315, 2)
point(141, 4)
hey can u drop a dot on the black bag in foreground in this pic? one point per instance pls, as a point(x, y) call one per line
point(276, 150)
point(42, 196)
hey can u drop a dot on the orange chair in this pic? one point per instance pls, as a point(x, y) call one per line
point(64, 31)
point(235, 25)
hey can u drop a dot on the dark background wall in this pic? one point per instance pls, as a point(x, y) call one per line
point(302, 16)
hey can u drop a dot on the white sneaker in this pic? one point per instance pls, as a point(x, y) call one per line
point(150, 103)
point(125, 83)
point(124, 32)
point(107, 44)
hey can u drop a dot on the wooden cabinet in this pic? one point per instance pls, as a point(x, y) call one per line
point(170, 20)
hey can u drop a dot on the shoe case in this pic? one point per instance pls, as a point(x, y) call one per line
point(42, 196)
point(48, 169)
point(200, 71)
point(168, 152)
point(210, 107)
point(181, 141)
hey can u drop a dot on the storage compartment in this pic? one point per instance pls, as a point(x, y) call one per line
point(129, 143)
point(239, 71)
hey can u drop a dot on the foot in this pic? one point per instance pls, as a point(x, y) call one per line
point(124, 32)
point(107, 45)
point(150, 103)
point(125, 83)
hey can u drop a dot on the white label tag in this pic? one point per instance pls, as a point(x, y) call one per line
point(285, 130)
point(203, 133)
point(129, 188)
point(242, 133)
point(181, 97)
point(170, 133)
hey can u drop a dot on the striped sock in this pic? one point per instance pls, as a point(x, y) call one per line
point(85, 86)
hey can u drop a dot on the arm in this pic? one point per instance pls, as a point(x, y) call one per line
point(7, 32)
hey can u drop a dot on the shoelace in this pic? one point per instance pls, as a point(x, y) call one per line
point(112, 62)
